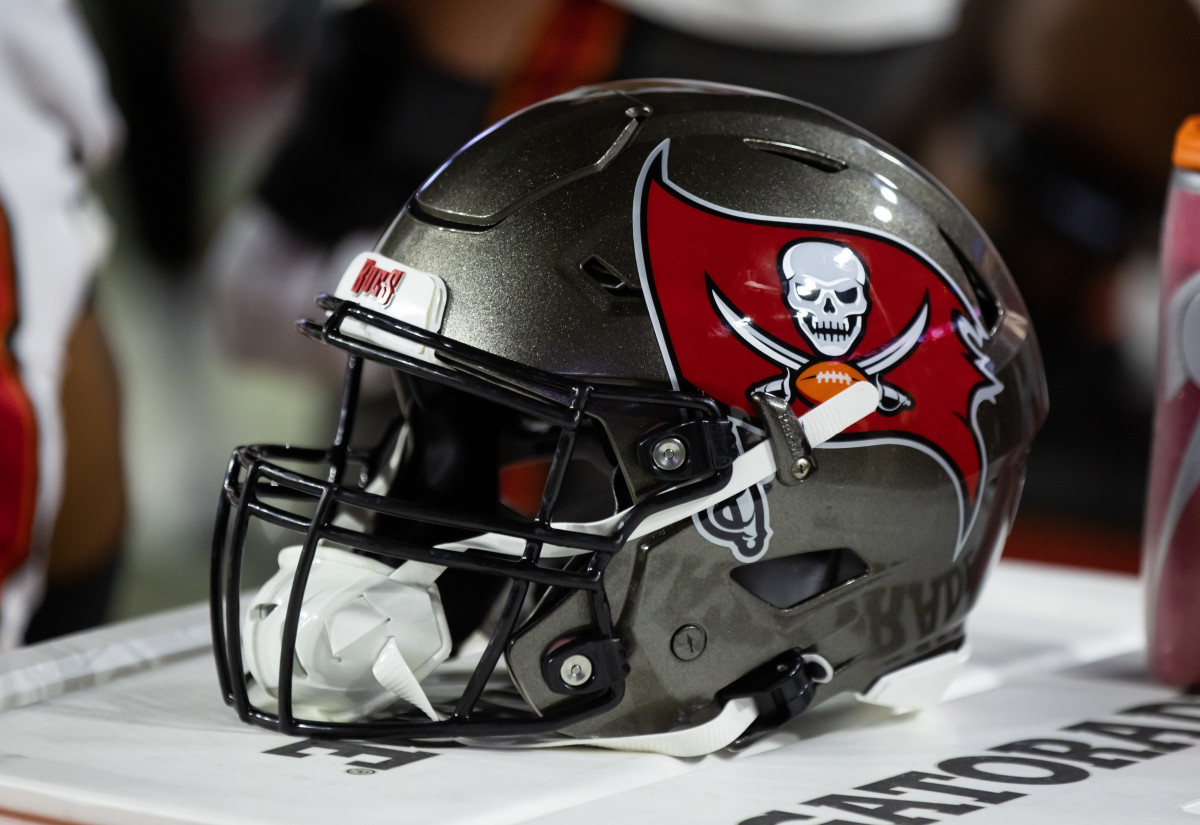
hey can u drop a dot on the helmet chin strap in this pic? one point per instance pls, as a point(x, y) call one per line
point(737, 716)
point(721, 731)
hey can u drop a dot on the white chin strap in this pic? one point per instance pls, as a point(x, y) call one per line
point(719, 732)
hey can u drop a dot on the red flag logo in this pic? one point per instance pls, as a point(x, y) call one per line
point(802, 309)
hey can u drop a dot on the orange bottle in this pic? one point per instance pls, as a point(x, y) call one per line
point(1171, 535)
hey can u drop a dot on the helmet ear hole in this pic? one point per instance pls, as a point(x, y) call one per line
point(786, 581)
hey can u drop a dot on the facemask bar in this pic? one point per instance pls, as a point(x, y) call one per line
point(558, 400)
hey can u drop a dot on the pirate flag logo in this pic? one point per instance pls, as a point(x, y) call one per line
point(803, 309)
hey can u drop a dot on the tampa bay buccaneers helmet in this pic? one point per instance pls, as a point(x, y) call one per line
point(708, 405)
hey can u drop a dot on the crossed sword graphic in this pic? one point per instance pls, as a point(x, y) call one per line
point(891, 397)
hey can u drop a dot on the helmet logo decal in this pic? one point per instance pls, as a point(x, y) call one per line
point(742, 523)
point(399, 291)
point(816, 379)
point(378, 282)
point(801, 309)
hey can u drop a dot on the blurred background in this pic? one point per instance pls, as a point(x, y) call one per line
point(269, 140)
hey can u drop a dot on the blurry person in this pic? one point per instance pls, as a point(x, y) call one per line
point(397, 85)
point(1053, 121)
point(61, 480)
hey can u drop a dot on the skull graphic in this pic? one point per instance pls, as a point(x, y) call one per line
point(825, 284)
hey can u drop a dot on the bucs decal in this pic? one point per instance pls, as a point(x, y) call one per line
point(801, 309)
point(825, 287)
point(741, 523)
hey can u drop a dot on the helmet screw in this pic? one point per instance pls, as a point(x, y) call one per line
point(669, 454)
point(689, 642)
point(576, 670)
point(801, 467)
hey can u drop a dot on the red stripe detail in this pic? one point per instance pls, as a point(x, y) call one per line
point(18, 426)
point(579, 44)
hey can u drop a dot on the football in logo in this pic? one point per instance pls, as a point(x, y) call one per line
point(824, 379)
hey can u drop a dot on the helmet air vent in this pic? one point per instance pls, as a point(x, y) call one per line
point(815, 159)
point(608, 277)
point(787, 581)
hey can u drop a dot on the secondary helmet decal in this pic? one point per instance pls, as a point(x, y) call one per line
point(742, 523)
point(802, 309)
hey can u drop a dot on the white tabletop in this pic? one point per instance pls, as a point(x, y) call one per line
point(126, 725)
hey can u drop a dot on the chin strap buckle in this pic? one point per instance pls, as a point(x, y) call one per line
point(793, 439)
point(794, 460)
point(782, 688)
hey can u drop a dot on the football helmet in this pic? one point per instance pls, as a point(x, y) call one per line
point(708, 405)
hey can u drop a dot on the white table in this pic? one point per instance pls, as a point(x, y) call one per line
point(126, 725)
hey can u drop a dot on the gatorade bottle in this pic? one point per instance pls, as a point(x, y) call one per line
point(1171, 536)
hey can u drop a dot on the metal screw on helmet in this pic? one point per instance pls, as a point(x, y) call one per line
point(576, 670)
point(801, 467)
point(689, 642)
point(669, 454)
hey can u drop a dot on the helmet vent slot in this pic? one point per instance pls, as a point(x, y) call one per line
point(815, 159)
point(787, 581)
point(609, 278)
point(989, 306)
